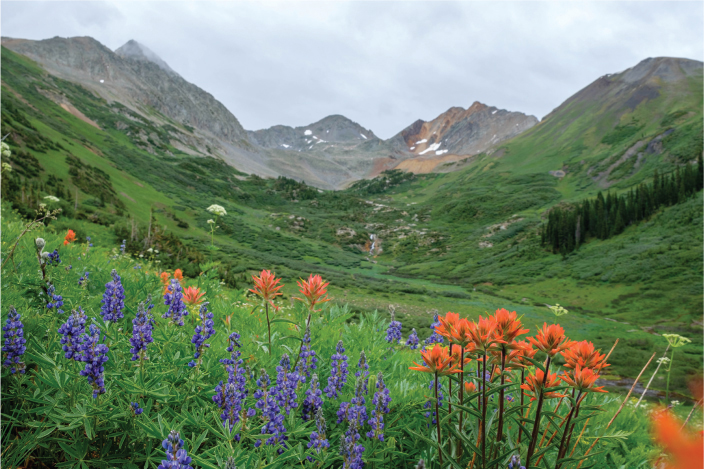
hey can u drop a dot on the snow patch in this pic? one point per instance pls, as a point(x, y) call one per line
point(432, 147)
point(308, 132)
point(285, 146)
point(102, 81)
point(315, 137)
point(440, 152)
point(413, 148)
point(493, 112)
point(421, 141)
point(364, 136)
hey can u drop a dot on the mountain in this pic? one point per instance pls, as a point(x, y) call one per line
point(458, 133)
point(136, 51)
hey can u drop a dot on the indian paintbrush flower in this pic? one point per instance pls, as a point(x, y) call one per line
point(14, 347)
point(582, 379)
point(70, 237)
point(537, 383)
point(113, 299)
point(551, 339)
point(583, 354)
point(314, 291)
point(266, 286)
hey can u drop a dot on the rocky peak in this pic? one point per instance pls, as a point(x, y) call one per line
point(136, 51)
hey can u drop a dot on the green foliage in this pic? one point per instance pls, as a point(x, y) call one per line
point(622, 133)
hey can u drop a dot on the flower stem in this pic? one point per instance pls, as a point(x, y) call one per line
point(268, 325)
point(483, 381)
point(523, 375)
point(669, 368)
point(500, 431)
point(459, 446)
point(437, 417)
point(536, 425)
point(562, 448)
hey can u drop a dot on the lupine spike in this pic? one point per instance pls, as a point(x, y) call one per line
point(142, 327)
point(113, 301)
point(338, 375)
point(176, 456)
point(203, 332)
point(14, 346)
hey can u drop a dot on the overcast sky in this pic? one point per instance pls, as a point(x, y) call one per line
point(382, 64)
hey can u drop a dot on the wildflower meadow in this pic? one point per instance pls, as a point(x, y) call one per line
point(109, 361)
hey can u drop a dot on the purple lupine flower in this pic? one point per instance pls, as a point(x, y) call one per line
point(363, 370)
point(136, 410)
point(420, 465)
point(230, 463)
point(53, 258)
point(429, 403)
point(137, 267)
point(90, 245)
point(313, 400)
point(230, 396)
point(515, 462)
point(123, 246)
point(113, 299)
point(142, 327)
point(308, 361)
point(434, 336)
point(318, 440)
point(204, 331)
point(271, 413)
point(381, 406)
point(93, 354)
point(71, 332)
point(356, 409)
point(55, 301)
point(349, 449)
point(412, 341)
point(83, 281)
point(286, 383)
point(14, 346)
point(173, 298)
point(393, 332)
point(176, 456)
point(338, 373)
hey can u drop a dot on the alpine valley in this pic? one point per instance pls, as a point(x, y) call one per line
point(598, 206)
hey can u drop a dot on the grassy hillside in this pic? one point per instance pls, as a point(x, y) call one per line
point(466, 241)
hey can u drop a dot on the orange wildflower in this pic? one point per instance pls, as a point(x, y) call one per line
point(551, 339)
point(447, 324)
point(508, 327)
point(266, 286)
point(70, 237)
point(178, 275)
point(437, 360)
point(582, 379)
point(534, 385)
point(684, 448)
point(456, 353)
point(583, 354)
point(483, 334)
point(192, 296)
point(165, 282)
point(314, 290)
point(456, 330)
point(469, 387)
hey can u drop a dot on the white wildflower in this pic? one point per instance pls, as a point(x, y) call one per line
point(6, 168)
point(558, 310)
point(675, 403)
point(211, 221)
point(5, 150)
point(150, 250)
point(51, 198)
point(217, 210)
point(676, 340)
point(663, 360)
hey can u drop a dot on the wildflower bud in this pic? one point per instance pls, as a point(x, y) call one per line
point(40, 243)
point(45, 256)
point(230, 463)
point(421, 464)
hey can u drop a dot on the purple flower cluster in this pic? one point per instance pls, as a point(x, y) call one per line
point(355, 415)
point(53, 258)
point(393, 332)
point(83, 281)
point(412, 341)
point(429, 404)
point(308, 360)
point(230, 396)
point(90, 245)
point(286, 384)
point(123, 246)
point(204, 331)
point(113, 299)
point(515, 462)
point(338, 373)
point(71, 332)
point(174, 300)
point(381, 406)
point(142, 327)
point(136, 410)
point(271, 412)
point(93, 354)
point(176, 456)
point(318, 440)
point(434, 336)
point(14, 342)
point(55, 301)
point(313, 400)
point(363, 370)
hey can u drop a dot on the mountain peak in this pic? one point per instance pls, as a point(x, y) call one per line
point(134, 50)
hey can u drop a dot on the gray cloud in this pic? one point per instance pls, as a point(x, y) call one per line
point(382, 64)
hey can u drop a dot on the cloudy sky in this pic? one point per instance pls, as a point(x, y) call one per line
point(382, 64)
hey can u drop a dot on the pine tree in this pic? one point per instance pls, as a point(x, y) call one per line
point(700, 173)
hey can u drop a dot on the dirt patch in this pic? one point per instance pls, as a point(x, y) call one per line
point(127, 197)
point(138, 183)
point(75, 112)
